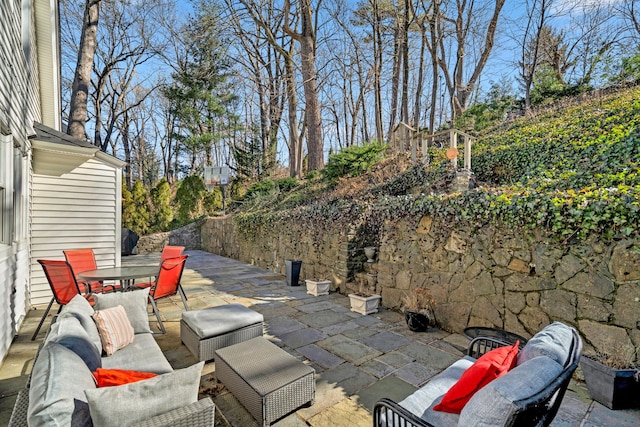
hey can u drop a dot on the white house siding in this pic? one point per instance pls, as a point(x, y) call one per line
point(80, 209)
point(46, 33)
point(19, 103)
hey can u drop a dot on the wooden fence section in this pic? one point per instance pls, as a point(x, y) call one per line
point(405, 137)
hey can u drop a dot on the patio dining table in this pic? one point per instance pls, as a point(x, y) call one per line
point(125, 274)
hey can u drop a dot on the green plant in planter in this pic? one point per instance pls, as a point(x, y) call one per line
point(613, 379)
point(419, 309)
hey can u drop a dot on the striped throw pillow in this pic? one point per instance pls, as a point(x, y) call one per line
point(114, 327)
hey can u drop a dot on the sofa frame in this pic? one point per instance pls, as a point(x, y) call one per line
point(197, 414)
point(537, 410)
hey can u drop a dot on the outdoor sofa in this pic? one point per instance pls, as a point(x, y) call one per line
point(62, 390)
point(527, 395)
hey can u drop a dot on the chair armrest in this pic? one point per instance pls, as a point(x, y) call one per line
point(386, 413)
point(198, 414)
point(481, 345)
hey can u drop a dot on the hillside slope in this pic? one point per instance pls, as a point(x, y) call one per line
point(574, 174)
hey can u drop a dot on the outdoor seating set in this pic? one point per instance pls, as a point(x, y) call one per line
point(485, 389)
point(269, 386)
point(80, 356)
point(267, 380)
point(503, 380)
point(79, 274)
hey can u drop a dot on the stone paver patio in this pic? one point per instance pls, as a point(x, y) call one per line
point(358, 359)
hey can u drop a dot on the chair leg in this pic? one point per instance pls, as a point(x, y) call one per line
point(183, 296)
point(157, 312)
point(44, 316)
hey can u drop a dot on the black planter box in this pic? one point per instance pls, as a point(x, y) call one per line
point(614, 388)
point(292, 268)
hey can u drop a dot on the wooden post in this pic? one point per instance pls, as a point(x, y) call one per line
point(467, 152)
point(453, 143)
point(425, 149)
point(414, 149)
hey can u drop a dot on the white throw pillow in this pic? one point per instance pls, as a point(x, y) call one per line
point(114, 327)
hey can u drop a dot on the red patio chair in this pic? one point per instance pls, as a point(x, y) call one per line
point(83, 260)
point(171, 252)
point(63, 286)
point(167, 284)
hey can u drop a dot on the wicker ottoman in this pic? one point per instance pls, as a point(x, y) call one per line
point(204, 331)
point(267, 380)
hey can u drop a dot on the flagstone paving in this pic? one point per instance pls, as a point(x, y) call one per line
point(358, 359)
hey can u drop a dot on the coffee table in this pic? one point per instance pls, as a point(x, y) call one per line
point(267, 380)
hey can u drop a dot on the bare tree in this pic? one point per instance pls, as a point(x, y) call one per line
point(467, 29)
point(537, 14)
point(269, 23)
point(129, 39)
point(354, 78)
point(82, 77)
point(398, 40)
point(631, 13)
point(307, 39)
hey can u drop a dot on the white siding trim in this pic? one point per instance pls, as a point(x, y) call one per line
point(80, 209)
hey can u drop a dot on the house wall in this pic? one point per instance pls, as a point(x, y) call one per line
point(19, 106)
point(80, 209)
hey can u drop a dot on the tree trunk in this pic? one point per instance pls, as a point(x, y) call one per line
point(295, 148)
point(404, 108)
point(433, 50)
point(128, 169)
point(82, 78)
point(459, 90)
point(377, 70)
point(418, 101)
point(395, 78)
point(307, 39)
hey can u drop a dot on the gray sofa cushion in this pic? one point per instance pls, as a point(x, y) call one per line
point(130, 403)
point(69, 332)
point(58, 381)
point(214, 321)
point(554, 341)
point(134, 303)
point(80, 308)
point(493, 404)
point(80, 305)
point(422, 401)
point(143, 354)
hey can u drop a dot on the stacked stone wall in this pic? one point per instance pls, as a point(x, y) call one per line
point(489, 277)
point(187, 236)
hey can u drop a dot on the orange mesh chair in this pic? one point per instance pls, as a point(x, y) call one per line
point(63, 285)
point(83, 260)
point(167, 284)
point(171, 252)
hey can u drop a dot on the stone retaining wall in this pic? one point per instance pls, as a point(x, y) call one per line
point(187, 236)
point(489, 277)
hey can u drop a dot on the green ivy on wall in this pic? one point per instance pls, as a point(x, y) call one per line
point(572, 174)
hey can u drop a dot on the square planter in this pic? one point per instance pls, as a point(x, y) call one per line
point(614, 388)
point(318, 287)
point(364, 305)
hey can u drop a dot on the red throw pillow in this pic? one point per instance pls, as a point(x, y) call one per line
point(111, 377)
point(487, 368)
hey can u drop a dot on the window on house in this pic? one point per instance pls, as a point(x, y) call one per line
point(6, 167)
point(19, 196)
